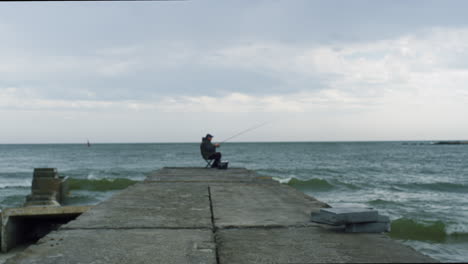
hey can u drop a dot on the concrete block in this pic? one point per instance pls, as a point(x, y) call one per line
point(42, 199)
point(342, 216)
point(45, 184)
point(382, 225)
point(45, 173)
point(368, 228)
point(47, 188)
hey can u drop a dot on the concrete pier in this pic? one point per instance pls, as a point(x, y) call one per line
point(197, 215)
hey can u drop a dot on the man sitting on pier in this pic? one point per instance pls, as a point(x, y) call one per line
point(208, 151)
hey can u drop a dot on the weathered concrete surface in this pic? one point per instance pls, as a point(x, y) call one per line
point(44, 210)
point(207, 175)
point(151, 205)
point(195, 215)
point(244, 205)
point(48, 188)
point(310, 245)
point(121, 246)
point(18, 224)
point(15, 251)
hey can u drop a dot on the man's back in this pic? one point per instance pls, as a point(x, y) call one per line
point(207, 148)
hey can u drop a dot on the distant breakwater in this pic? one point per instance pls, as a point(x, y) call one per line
point(451, 143)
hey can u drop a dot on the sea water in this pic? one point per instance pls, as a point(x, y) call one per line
point(421, 186)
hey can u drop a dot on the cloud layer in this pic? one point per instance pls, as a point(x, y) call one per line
point(292, 78)
point(406, 79)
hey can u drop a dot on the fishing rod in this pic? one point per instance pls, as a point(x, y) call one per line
point(245, 131)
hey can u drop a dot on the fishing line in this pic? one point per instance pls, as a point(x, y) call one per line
point(245, 131)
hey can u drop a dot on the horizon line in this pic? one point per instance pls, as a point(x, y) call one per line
point(234, 142)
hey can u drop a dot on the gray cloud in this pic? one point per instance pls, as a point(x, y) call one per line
point(62, 46)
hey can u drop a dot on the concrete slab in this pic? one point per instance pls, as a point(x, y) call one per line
point(207, 175)
point(151, 205)
point(375, 227)
point(44, 210)
point(310, 245)
point(342, 216)
point(382, 225)
point(198, 170)
point(244, 205)
point(121, 246)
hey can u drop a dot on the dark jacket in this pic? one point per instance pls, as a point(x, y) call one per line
point(207, 148)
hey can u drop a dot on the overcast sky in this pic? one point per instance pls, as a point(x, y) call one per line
point(174, 71)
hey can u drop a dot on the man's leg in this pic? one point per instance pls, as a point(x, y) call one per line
point(217, 159)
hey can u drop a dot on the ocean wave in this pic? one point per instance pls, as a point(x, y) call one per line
point(381, 202)
point(326, 171)
point(104, 173)
point(432, 231)
point(100, 184)
point(13, 201)
point(348, 185)
point(20, 183)
point(310, 185)
point(316, 184)
point(304, 171)
point(282, 180)
point(85, 197)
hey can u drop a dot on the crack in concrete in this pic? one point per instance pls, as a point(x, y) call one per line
point(138, 227)
point(267, 227)
point(214, 229)
point(211, 181)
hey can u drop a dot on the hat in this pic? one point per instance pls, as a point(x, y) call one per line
point(209, 135)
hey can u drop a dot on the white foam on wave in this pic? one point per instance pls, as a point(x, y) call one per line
point(282, 180)
point(459, 228)
point(91, 176)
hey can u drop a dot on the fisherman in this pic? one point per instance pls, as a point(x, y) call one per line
point(208, 151)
